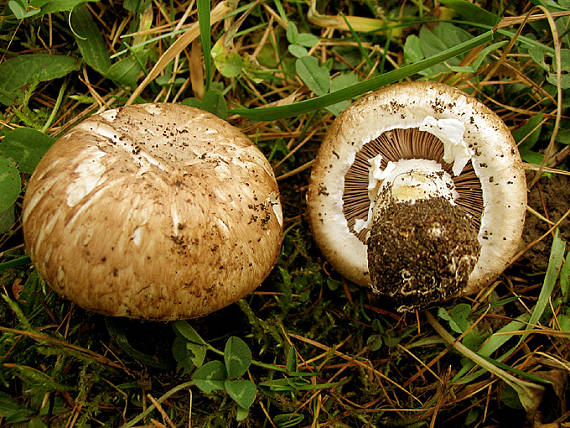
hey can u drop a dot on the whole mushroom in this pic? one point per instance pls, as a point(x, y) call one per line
point(153, 211)
point(418, 191)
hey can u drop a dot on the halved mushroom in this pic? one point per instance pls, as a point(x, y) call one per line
point(155, 211)
point(418, 190)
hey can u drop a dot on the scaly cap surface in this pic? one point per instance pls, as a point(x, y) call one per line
point(155, 211)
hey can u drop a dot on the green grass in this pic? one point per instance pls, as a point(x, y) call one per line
point(307, 348)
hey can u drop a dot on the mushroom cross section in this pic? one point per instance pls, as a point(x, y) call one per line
point(418, 191)
point(154, 211)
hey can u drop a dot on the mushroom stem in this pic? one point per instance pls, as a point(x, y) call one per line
point(410, 180)
point(421, 248)
point(406, 180)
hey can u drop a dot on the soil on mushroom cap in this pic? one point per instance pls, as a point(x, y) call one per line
point(550, 197)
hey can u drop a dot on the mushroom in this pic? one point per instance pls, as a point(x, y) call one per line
point(153, 211)
point(418, 191)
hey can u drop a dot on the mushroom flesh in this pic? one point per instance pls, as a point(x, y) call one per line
point(418, 191)
point(153, 211)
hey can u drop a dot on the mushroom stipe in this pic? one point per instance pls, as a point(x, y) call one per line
point(435, 242)
point(153, 211)
point(418, 191)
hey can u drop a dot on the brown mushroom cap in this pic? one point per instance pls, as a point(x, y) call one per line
point(154, 211)
point(493, 181)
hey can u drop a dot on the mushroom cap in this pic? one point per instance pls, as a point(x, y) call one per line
point(494, 157)
point(153, 211)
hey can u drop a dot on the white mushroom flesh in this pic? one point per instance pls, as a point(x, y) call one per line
point(450, 132)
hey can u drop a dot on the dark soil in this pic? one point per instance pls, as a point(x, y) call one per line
point(551, 198)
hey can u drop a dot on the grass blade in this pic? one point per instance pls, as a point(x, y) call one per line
point(89, 39)
point(497, 340)
point(565, 278)
point(21, 261)
point(472, 12)
point(177, 47)
point(358, 41)
point(494, 342)
point(151, 407)
point(554, 265)
point(204, 20)
point(529, 393)
point(281, 112)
